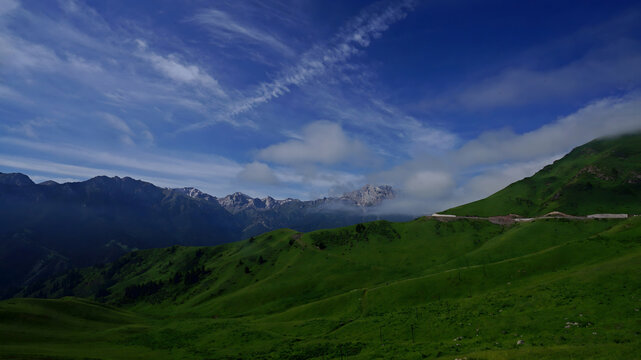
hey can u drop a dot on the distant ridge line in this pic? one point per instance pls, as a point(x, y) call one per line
point(512, 218)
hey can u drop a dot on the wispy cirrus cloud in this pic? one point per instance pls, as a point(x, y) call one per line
point(356, 35)
point(104, 65)
point(21, 55)
point(7, 6)
point(225, 29)
point(214, 174)
point(169, 165)
point(616, 65)
point(30, 128)
point(10, 94)
point(172, 67)
point(124, 132)
point(604, 55)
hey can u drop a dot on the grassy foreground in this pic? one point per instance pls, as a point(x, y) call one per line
point(550, 289)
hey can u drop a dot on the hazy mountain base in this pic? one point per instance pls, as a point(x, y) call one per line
point(422, 289)
point(48, 228)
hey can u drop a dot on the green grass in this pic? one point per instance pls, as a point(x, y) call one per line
point(602, 176)
point(424, 289)
point(280, 296)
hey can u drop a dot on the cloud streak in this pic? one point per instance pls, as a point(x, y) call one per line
point(225, 29)
point(615, 66)
point(356, 35)
point(605, 55)
point(171, 67)
point(195, 166)
point(7, 6)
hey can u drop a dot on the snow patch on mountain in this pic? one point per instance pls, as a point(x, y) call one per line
point(370, 195)
point(195, 193)
point(367, 196)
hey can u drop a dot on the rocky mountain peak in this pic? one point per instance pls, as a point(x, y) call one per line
point(270, 202)
point(49, 183)
point(195, 193)
point(15, 179)
point(236, 202)
point(370, 195)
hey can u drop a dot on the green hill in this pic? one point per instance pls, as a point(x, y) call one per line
point(421, 289)
point(602, 176)
point(425, 289)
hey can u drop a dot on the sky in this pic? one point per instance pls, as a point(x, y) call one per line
point(447, 101)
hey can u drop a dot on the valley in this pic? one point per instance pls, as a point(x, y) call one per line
point(456, 293)
point(320, 180)
point(453, 285)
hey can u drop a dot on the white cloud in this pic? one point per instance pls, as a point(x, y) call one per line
point(427, 138)
point(257, 172)
point(117, 123)
point(428, 184)
point(395, 132)
point(495, 178)
point(7, 6)
point(12, 95)
point(323, 143)
point(615, 65)
point(69, 6)
point(354, 36)
point(96, 55)
point(125, 133)
point(41, 170)
point(357, 34)
point(225, 29)
point(30, 128)
point(19, 54)
point(194, 166)
point(24, 60)
point(605, 117)
point(25, 163)
point(148, 136)
point(171, 67)
point(495, 159)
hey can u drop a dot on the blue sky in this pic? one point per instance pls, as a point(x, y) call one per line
point(447, 101)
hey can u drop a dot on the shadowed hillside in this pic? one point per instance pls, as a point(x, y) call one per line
point(48, 227)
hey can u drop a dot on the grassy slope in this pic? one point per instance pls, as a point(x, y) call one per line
point(601, 176)
point(361, 295)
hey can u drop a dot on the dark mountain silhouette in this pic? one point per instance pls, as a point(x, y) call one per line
point(48, 227)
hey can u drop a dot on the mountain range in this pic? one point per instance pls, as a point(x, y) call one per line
point(49, 227)
point(367, 196)
point(431, 288)
point(256, 216)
